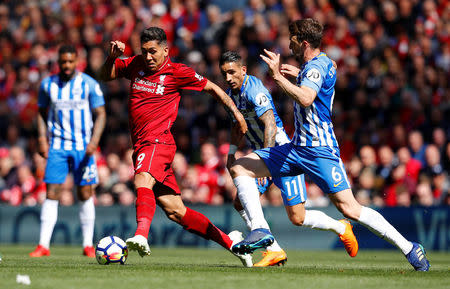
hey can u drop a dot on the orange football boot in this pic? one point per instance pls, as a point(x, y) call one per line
point(40, 251)
point(272, 258)
point(349, 239)
point(89, 251)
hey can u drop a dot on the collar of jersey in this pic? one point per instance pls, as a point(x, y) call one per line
point(315, 57)
point(246, 77)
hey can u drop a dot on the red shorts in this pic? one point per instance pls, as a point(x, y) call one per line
point(156, 159)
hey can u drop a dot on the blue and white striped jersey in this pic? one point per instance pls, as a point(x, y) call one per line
point(70, 104)
point(313, 125)
point(253, 101)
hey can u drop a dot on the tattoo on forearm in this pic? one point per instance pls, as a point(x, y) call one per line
point(270, 128)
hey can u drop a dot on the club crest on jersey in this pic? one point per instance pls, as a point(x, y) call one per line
point(313, 75)
point(161, 79)
point(198, 76)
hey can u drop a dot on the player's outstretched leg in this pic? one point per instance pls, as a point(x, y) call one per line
point(257, 239)
point(375, 222)
point(199, 224)
point(414, 252)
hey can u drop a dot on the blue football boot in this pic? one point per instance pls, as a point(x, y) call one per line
point(257, 239)
point(417, 258)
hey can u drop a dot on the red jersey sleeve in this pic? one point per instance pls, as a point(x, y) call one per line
point(187, 78)
point(123, 67)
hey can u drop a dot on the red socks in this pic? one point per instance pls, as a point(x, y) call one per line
point(192, 221)
point(145, 210)
point(198, 224)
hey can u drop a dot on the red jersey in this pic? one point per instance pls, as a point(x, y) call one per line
point(154, 97)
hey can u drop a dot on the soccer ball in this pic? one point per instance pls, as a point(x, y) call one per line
point(111, 249)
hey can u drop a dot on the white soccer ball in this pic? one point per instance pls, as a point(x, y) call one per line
point(111, 249)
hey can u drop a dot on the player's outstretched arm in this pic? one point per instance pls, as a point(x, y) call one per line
point(303, 95)
point(221, 96)
point(108, 70)
point(99, 126)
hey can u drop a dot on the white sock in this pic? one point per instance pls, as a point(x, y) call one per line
point(274, 247)
point(87, 220)
point(249, 196)
point(49, 215)
point(320, 221)
point(246, 219)
point(376, 223)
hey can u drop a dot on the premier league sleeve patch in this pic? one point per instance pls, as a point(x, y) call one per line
point(313, 75)
point(261, 99)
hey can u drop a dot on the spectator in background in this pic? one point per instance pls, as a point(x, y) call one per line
point(413, 166)
point(424, 195)
point(208, 176)
point(417, 147)
point(384, 169)
point(368, 158)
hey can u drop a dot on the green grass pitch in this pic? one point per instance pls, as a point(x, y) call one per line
point(214, 268)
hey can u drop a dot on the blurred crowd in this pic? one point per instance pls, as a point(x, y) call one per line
point(391, 110)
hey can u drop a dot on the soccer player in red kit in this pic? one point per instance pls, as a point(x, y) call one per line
point(155, 87)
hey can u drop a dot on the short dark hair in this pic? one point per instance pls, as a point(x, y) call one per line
point(307, 29)
point(154, 33)
point(230, 56)
point(67, 48)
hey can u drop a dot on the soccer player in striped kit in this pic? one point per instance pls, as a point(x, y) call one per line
point(314, 149)
point(265, 129)
point(68, 138)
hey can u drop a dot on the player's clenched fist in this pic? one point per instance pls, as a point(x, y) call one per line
point(117, 48)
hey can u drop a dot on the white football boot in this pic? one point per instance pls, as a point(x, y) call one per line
point(246, 259)
point(139, 243)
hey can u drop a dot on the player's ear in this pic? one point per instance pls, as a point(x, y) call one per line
point(244, 69)
point(166, 50)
